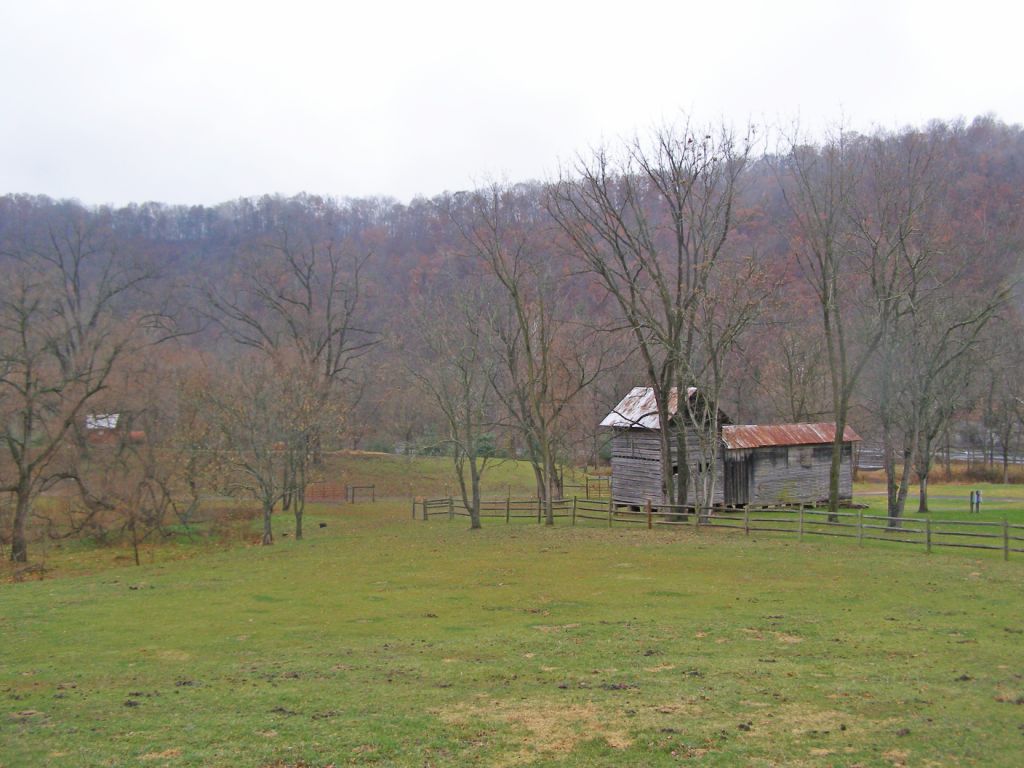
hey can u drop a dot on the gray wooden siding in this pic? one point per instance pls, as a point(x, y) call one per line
point(772, 475)
point(796, 474)
point(636, 467)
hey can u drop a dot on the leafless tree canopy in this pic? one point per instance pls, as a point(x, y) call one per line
point(865, 279)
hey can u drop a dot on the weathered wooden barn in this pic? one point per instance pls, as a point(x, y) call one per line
point(775, 464)
point(784, 463)
point(636, 450)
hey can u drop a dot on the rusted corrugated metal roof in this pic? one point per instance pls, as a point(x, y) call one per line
point(639, 410)
point(757, 436)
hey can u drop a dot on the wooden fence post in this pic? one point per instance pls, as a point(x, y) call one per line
point(928, 535)
point(540, 508)
point(801, 523)
point(860, 527)
point(609, 511)
point(508, 510)
point(451, 508)
point(425, 513)
point(574, 509)
point(746, 520)
point(648, 508)
point(414, 508)
point(1006, 539)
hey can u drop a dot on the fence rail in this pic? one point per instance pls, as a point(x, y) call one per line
point(330, 491)
point(325, 491)
point(592, 487)
point(351, 490)
point(923, 532)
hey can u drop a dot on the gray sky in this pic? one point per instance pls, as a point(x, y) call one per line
point(200, 102)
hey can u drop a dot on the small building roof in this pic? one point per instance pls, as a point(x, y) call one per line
point(758, 436)
point(102, 420)
point(639, 410)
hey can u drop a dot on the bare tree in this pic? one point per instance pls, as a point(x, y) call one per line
point(852, 281)
point(147, 469)
point(931, 319)
point(652, 226)
point(947, 387)
point(260, 411)
point(457, 369)
point(794, 374)
point(1001, 394)
point(296, 300)
point(547, 358)
point(66, 319)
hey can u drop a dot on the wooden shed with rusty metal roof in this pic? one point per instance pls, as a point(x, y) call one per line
point(784, 463)
point(757, 464)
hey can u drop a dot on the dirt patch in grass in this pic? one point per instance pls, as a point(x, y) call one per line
point(550, 729)
point(26, 715)
point(549, 628)
point(783, 637)
point(799, 720)
point(897, 756)
point(1010, 697)
point(167, 753)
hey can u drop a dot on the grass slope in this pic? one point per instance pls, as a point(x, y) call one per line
point(393, 476)
point(383, 641)
point(430, 476)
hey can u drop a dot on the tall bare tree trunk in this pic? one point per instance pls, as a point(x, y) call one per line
point(474, 479)
point(549, 472)
point(896, 513)
point(135, 539)
point(949, 456)
point(300, 506)
point(268, 534)
point(19, 542)
point(922, 486)
point(299, 495)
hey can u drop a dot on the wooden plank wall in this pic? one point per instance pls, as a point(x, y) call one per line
point(796, 474)
point(636, 467)
point(776, 474)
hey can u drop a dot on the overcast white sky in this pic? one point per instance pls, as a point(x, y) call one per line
point(200, 102)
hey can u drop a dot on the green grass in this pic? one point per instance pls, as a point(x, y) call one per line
point(951, 501)
point(430, 476)
point(393, 476)
point(384, 641)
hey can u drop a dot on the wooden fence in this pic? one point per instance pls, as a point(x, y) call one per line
point(366, 490)
point(592, 487)
point(507, 509)
point(325, 491)
point(923, 532)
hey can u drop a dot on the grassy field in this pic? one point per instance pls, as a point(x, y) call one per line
point(948, 501)
point(393, 476)
point(386, 641)
point(428, 476)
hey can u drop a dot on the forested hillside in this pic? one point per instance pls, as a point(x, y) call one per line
point(867, 278)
